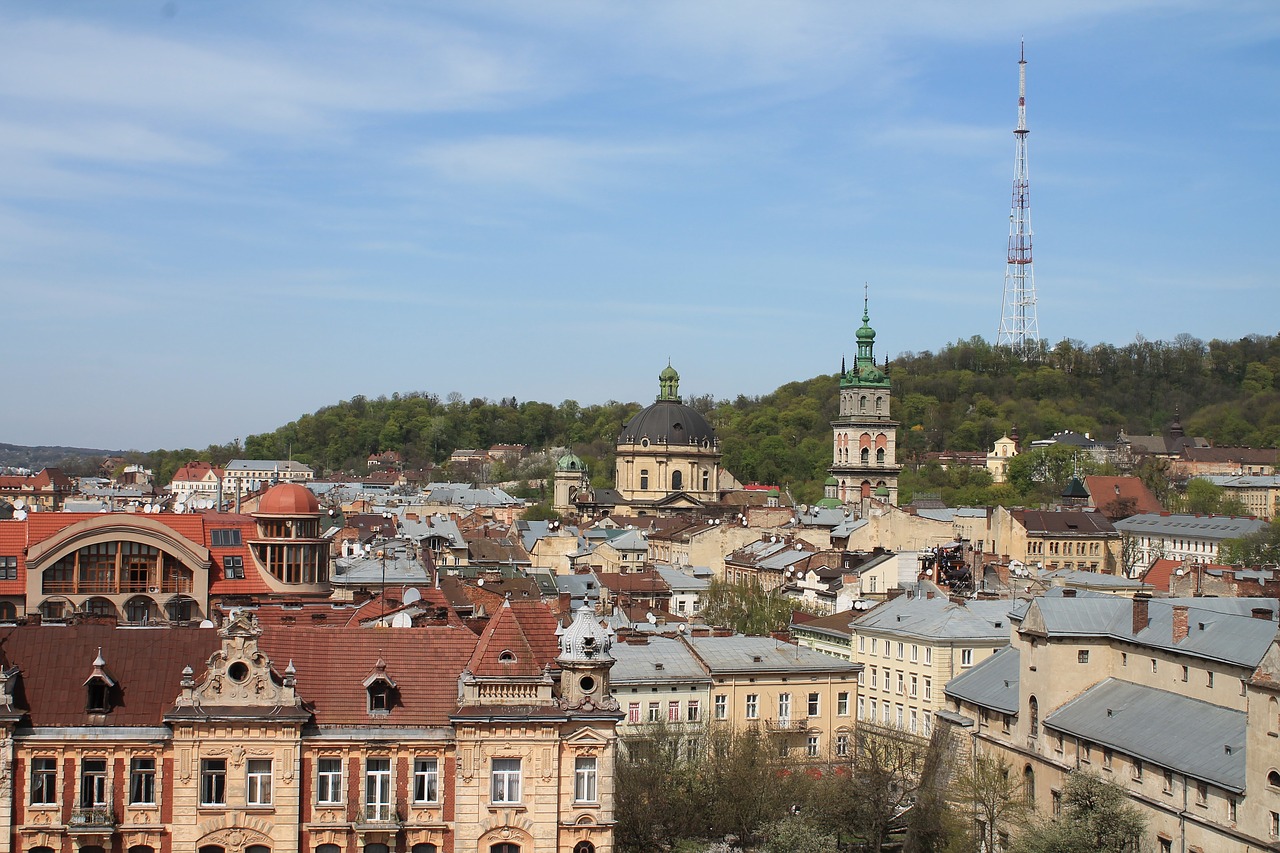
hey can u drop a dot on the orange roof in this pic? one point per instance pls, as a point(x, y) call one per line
point(527, 630)
point(288, 499)
point(1104, 491)
point(1159, 574)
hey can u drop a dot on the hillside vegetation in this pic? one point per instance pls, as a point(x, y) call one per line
point(962, 397)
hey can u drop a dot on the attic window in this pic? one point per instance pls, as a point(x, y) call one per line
point(232, 567)
point(506, 656)
point(98, 700)
point(8, 568)
point(380, 689)
point(224, 537)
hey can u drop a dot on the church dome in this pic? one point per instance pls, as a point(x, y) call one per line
point(288, 499)
point(569, 462)
point(668, 421)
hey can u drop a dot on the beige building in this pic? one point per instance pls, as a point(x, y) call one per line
point(1260, 494)
point(252, 740)
point(1062, 539)
point(912, 645)
point(1005, 448)
point(1173, 699)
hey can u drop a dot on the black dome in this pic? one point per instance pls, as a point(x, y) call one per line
point(668, 422)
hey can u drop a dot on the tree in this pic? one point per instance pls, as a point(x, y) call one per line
point(747, 607)
point(1097, 817)
point(1254, 549)
point(999, 800)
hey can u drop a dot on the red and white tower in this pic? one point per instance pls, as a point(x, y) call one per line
point(1019, 329)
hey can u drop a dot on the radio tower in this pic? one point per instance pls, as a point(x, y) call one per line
point(1018, 327)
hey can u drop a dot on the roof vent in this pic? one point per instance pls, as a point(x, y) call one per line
point(756, 659)
point(657, 665)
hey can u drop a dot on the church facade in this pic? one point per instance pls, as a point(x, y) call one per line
point(864, 435)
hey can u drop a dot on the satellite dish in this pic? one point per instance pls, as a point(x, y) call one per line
point(401, 620)
point(804, 509)
point(411, 595)
point(19, 504)
point(650, 618)
point(19, 515)
point(799, 547)
point(149, 508)
point(682, 628)
point(179, 507)
point(480, 582)
point(205, 623)
point(1180, 572)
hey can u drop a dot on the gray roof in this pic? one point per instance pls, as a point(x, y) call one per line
point(847, 527)
point(630, 540)
point(938, 618)
point(276, 465)
point(396, 568)
point(763, 654)
point(940, 514)
point(1077, 577)
point(434, 526)
point(823, 516)
point(662, 659)
point(1202, 740)
point(1243, 481)
point(993, 683)
point(1219, 629)
point(680, 581)
point(1212, 527)
point(469, 497)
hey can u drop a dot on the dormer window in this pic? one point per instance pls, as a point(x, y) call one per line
point(98, 687)
point(380, 689)
point(506, 656)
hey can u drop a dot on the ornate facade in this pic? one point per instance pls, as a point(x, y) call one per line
point(864, 453)
point(325, 740)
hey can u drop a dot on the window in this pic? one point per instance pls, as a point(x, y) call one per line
point(862, 645)
point(1137, 769)
point(784, 707)
point(142, 782)
point(873, 646)
point(213, 781)
point(506, 780)
point(1106, 758)
point(693, 711)
point(928, 655)
point(633, 713)
point(1056, 796)
point(813, 705)
point(677, 481)
point(259, 782)
point(914, 686)
point(901, 684)
point(1034, 708)
point(93, 782)
point(1275, 824)
point(915, 653)
point(97, 698)
point(1186, 673)
point(966, 657)
point(224, 537)
point(329, 780)
point(753, 706)
point(887, 649)
point(1202, 794)
point(655, 712)
point(380, 696)
point(722, 706)
point(8, 568)
point(1209, 682)
point(644, 478)
point(874, 681)
point(900, 650)
point(1124, 658)
point(673, 712)
point(842, 703)
point(426, 780)
point(928, 689)
point(1154, 667)
point(1168, 781)
point(811, 746)
point(584, 779)
point(232, 567)
point(1273, 779)
point(862, 709)
point(44, 781)
point(1232, 805)
point(1082, 656)
point(377, 789)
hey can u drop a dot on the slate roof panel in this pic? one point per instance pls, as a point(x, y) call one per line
point(1203, 740)
point(992, 683)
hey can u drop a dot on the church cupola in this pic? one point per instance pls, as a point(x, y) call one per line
point(669, 385)
point(585, 661)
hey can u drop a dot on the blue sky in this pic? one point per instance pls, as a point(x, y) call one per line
point(215, 217)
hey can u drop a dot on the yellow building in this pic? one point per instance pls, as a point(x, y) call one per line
point(1062, 539)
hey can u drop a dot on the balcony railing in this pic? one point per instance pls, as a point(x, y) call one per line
point(93, 818)
point(787, 723)
point(377, 812)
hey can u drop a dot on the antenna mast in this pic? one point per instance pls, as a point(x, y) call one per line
point(1019, 329)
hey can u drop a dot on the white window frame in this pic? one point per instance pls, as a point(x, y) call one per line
point(213, 782)
point(504, 784)
point(426, 779)
point(328, 781)
point(258, 782)
point(585, 789)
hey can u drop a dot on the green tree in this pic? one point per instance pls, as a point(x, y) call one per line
point(747, 607)
point(1097, 817)
point(1254, 549)
point(998, 800)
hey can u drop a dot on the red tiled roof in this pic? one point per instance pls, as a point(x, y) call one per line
point(1107, 490)
point(1160, 573)
point(331, 665)
point(528, 630)
point(146, 664)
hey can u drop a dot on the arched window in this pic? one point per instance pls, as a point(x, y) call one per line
point(677, 480)
point(866, 455)
point(53, 608)
point(423, 848)
point(862, 403)
point(1029, 783)
point(1273, 779)
point(8, 612)
point(1035, 716)
point(880, 456)
point(142, 848)
point(328, 848)
point(257, 848)
point(584, 847)
point(644, 478)
point(505, 847)
point(879, 403)
point(706, 480)
point(1274, 716)
point(866, 488)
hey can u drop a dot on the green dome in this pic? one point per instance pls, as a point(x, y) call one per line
point(569, 462)
point(829, 503)
point(669, 372)
point(831, 481)
point(882, 491)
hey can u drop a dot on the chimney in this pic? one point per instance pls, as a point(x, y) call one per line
point(1141, 618)
point(1068, 593)
point(958, 600)
point(1180, 622)
point(1261, 613)
point(928, 594)
point(566, 603)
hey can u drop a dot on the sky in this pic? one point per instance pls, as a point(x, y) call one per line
point(216, 217)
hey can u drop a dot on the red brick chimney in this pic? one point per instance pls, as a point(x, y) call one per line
point(1261, 613)
point(1179, 622)
point(1141, 618)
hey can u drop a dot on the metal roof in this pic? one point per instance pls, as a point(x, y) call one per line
point(1202, 740)
point(938, 618)
point(993, 683)
point(1213, 527)
point(763, 654)
point(662, 659)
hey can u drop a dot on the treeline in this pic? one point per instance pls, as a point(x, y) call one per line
point(963, 397)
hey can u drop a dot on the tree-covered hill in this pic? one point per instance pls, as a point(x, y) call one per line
point(962, 397)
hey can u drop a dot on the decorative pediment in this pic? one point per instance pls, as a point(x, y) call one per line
point(239, 675)
point(587, 738)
